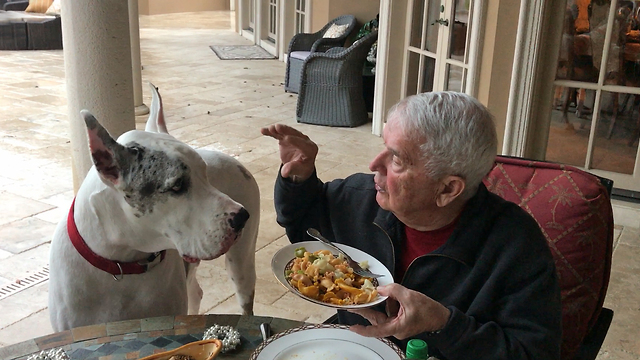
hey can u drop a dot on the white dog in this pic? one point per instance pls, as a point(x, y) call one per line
point(149, 210)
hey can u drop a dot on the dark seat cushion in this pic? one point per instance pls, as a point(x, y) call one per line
point(20, 30)
point(45, 34)
point(13, 35)
point(574, 212)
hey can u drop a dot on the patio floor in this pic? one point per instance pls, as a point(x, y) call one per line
point(208, 103)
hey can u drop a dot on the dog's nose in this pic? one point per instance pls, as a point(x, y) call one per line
point(239, 219)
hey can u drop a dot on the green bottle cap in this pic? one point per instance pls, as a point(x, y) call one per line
point(417, 349)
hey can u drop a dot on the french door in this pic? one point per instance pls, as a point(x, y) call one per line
point(273, 21)
point(252, 15)
point(438, 44)
point(595, 118)
point(300, 16)
point(270, 25)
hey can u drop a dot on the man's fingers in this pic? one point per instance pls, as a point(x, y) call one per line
point(374, 317)
point(392, 307)
point(368, 314)
point(288, 130)
point(270, 131)
point(393, 290)
point(280, 130)
point(377, 331)
point(288, 136)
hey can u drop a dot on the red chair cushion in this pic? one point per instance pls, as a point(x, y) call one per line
point(574, 212)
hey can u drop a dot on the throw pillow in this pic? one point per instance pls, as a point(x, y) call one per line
point(38, 6)
point(54, 9)
point(335, 31)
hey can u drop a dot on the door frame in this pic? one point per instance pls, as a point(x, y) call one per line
point(530, 100)
point(532, 78)
point(396, 12)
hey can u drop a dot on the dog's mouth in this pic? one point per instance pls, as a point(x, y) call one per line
point(224, 247)
point(190, 259)
point(227, 244)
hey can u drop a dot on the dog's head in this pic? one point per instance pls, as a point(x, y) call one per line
point(162, 184)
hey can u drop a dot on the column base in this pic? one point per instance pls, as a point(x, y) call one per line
point(141, 110)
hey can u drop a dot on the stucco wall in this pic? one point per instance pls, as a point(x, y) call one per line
point(325, 10)
point(153, 7)
point(498, 49)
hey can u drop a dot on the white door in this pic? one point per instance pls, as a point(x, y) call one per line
point(301, 16)
point(438, 46)
point(248, 24)
point(270, 18)
point(595, 116)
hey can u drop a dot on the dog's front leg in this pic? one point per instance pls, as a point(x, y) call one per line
point(194, 291)
point(240, 262)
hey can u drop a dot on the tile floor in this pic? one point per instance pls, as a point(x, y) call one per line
point(208, 103)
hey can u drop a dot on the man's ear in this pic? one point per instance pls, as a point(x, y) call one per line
point(451, 188)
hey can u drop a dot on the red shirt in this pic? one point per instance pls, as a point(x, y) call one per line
point(419, 243)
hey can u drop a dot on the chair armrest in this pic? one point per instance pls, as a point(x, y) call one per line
point(329, 68)
point(335, 50)
point(303, 41)
point(17, 5)
point(323, 44)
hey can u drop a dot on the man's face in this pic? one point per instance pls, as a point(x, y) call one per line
point(400, 177)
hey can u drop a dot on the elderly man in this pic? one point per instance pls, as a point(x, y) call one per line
point(474, 275)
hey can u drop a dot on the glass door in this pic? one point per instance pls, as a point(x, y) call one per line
point(301, 16)
point(273, 21)
point(252, 15)
point(438, 44)
point(595, 118)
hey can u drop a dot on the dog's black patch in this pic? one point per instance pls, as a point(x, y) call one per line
point(152, 176)
point(104, 164)
point(245, 172)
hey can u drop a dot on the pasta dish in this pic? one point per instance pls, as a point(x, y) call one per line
point(327, 278)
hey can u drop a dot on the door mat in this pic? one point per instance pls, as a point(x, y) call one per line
point(241, 52)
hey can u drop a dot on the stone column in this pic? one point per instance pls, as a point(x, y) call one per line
point(134, 26)
point(97, 58)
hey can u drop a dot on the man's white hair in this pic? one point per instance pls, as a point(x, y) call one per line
point(455, 132)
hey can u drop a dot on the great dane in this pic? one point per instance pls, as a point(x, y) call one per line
point(147, 212)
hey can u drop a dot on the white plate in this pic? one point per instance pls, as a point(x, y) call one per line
point(325, 342)
point(286, 254)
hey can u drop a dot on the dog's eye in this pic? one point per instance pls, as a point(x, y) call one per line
point(177, 186)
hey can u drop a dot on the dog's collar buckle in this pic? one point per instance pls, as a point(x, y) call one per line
point(153, 260)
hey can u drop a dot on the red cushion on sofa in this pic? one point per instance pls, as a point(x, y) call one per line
point(574, 212)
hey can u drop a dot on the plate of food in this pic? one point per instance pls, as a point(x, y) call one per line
point(325, 341)
point(312, 271)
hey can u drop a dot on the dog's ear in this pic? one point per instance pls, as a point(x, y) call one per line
point(156, 123)
point(104, 150)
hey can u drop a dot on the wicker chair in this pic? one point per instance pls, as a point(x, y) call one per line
point(331, 86)
point(304, 44)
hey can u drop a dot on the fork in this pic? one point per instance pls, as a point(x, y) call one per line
point(352, 263)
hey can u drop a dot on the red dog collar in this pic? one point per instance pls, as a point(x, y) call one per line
point(112, 267)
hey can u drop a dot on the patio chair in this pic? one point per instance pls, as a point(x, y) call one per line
point(573, 209)
point(331, 90)
point(304, 44)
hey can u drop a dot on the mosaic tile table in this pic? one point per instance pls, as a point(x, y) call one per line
point(134, 339)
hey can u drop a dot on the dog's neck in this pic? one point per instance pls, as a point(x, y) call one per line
point(107, 228)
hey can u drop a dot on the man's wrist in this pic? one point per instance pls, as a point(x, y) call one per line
point(296, 179)
point(446, 315)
